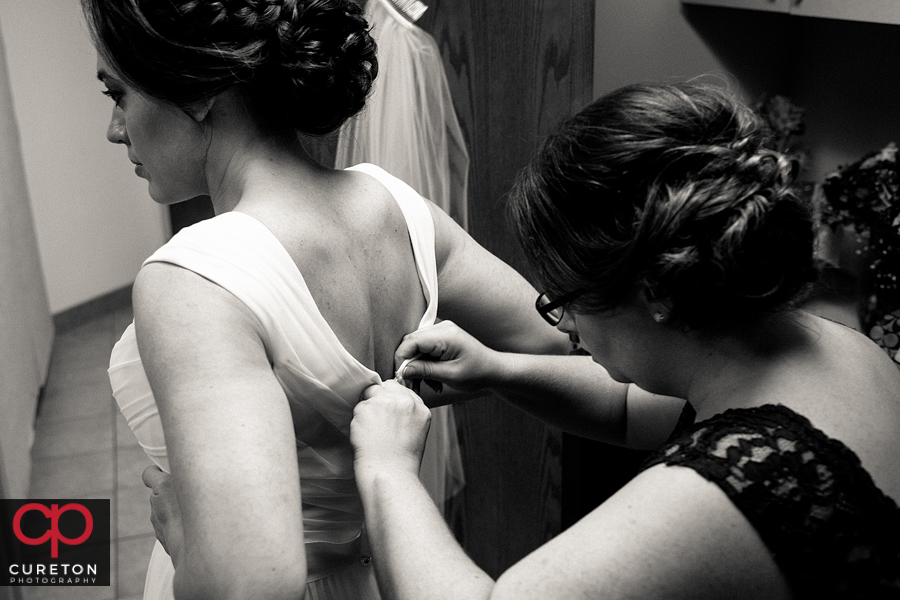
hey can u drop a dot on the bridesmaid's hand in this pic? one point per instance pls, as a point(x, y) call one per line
point(449, 356)
point(164, 511)
point(388, 431)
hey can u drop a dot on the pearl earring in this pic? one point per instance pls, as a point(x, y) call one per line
point(659, 317)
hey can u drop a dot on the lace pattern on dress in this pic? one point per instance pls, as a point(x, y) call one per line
point(829, 528)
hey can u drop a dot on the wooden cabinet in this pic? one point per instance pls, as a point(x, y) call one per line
point(781, 6)
point(873, 11)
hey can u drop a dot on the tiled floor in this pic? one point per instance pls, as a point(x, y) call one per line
point(84, 449)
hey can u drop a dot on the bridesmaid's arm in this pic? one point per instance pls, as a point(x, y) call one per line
point(668, 534)
point(230, 438)
point(492, 303)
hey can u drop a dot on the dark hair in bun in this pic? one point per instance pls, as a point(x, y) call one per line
point(302, 64)
point(669, 187)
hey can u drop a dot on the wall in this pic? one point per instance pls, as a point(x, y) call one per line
point(26, 330)
point(840, 71)
point(653, 40)
point(95, 222)
point(846, 74)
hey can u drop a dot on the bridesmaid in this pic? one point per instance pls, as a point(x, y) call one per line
point(671, 241)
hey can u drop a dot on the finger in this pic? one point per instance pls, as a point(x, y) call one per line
point(153, 477)
point(392, 385)
point(429, 340)
point(155, 516)
point(424, 369)
point(372, 391)
point(415, 345)
point(398, 375)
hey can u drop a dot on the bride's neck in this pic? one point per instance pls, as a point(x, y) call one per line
point(251, 164)
point(243, 157)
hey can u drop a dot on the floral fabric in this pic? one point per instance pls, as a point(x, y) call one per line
point(886, 333)
point(831, 531)
point(865, 196)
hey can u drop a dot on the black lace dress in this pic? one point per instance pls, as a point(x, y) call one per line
point(831, 531)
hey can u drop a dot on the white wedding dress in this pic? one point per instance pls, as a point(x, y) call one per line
point(322, 380)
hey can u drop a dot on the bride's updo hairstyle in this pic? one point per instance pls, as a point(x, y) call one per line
point(667, 189)
point(306, 65)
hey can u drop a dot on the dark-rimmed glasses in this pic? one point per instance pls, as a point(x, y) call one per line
point(553, 310)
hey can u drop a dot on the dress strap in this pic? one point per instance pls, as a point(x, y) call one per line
point(420, 224)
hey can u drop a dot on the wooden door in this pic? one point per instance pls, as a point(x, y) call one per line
point(516, 68)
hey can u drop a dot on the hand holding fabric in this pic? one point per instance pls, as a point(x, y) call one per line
point(388, 431)
point(164, 510)
point(446, 354)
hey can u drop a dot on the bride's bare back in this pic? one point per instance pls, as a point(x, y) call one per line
point(350, 242)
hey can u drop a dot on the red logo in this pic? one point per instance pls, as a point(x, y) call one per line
point(53, 533)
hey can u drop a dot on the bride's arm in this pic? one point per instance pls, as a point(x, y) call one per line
point(487, 297)
point(229, 435)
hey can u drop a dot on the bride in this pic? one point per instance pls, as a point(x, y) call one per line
point(256, 331)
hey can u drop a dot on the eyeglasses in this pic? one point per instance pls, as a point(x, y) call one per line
point(553, 310)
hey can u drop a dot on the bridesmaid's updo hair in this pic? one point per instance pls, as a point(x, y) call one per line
point(307, 65)
point(668, 188)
